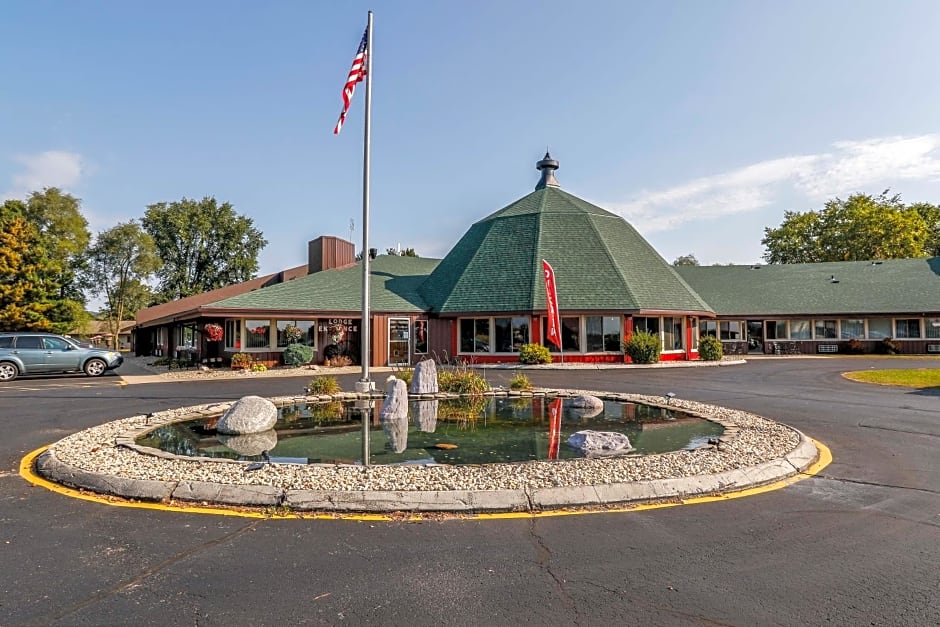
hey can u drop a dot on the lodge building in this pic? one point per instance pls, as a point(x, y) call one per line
point(486, 298)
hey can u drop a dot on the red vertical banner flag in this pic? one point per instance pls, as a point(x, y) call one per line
point(553, 333)
point(554, 428)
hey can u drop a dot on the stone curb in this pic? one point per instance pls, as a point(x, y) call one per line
point(452, 501)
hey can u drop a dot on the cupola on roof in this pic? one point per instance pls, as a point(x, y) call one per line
point(601, 262)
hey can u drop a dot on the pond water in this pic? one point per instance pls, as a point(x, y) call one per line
point(463, 431)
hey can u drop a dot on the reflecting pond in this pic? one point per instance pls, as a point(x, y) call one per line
point(463, 431)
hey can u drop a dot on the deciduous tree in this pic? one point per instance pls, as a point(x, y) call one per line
point(686, 260)
point(859, 228)
point(203, 245)
point(119, 263)
point(24, 305)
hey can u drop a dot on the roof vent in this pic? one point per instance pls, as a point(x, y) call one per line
point(547, 166)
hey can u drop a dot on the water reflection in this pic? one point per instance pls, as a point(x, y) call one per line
point(478, 431)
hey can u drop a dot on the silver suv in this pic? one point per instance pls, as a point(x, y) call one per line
point(41, 353)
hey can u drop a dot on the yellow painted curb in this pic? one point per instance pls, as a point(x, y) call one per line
point(26, 471)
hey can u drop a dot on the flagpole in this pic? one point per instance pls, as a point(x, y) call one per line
point(365, 385)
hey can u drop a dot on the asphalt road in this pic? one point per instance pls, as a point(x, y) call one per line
point(858, 544)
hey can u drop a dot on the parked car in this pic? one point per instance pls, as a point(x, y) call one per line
point(41, 353)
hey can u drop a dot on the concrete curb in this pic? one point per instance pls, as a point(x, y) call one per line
point(452, 501)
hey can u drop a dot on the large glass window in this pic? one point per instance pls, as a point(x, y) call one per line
point(613, 333)
point(932, 327)
point(648, 324)
point(593, 334)
point(511, 333)
point(258, 333)
point(776, 329)
point(800, 330)
point(708, 327)
point(672, 333)
point(879, 328)
point(475, 335)
point(824, 329)
point(570, 334)
point(852, 329)
point(296, 332)
point(731, 330)
point(907, 328)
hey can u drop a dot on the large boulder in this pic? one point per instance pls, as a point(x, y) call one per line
point(396, 433)
point(250, 444)
point(424, 378)
point(600, 442)
point(396, 400)
point(425, 413)
point(249, 414)
point(585, 406)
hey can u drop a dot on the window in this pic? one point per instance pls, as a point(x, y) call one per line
point(650, 325)
point(825, 329)
point(56, 344)
point(907, 328)
point(694, 323)
point(511, 334)
point(602, 333)
point(475, 335)
point(421, 337)
point(570, 334)
point(776, 329)
point(932, 326)
point(6, 342)
point(232, 335)
point(708, 327)
point(800, 330)
point(852, 329)
point(28, 342)
point(672, 333)
point(257, 334)
point(308, 332)
point(613, 333)
point(879, 328)
point(730, 330)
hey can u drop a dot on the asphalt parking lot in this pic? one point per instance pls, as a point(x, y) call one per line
point(854, 545)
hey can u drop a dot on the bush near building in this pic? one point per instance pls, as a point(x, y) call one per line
point(643, 347)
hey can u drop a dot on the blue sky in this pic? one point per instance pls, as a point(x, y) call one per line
point(699, 122)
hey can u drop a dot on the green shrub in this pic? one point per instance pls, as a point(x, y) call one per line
point(461, 381)
point(643, 347)
point(323, 385)
point(534, 354)
point(887, 346)
point(520, 382)
point(298, 354)
point(258, 367)
point(709, 348)
point(405, 374)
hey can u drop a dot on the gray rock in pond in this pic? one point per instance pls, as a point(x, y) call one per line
point(426, 415)
point(600, 442)
point(250, 444)
point(424, 379)
point(585, 406)
point(249, 414)
point(395, 404)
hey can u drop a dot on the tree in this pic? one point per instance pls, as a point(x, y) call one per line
point(407, 252)
point(931, 215)
point(686, 260)
point(122, 258)
point(64, 231)
point(24, 304)
point(861, 227)
point(203, 245)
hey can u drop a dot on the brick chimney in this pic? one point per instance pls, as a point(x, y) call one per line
point(327, 252)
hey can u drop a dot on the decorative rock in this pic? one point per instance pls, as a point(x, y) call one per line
point(249, 414)
point(395, 404)
point(426, 415)
point(424, 379)
point(600, 442)
point(250, 444)
point(585, 406)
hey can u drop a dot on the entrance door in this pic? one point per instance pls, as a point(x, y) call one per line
point(755, 336)
point(398, 354)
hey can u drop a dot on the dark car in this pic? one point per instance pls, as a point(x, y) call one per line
point(42, 353)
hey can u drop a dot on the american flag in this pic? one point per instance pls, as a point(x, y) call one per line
point(356, 73)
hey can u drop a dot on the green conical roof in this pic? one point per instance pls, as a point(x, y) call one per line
point(601, 263)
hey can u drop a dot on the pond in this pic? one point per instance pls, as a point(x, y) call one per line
point(463, 431)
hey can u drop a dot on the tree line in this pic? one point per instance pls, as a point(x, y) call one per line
point(50, 266)
point(859, 228)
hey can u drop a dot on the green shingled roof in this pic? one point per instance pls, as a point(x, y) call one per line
point(864, 287)
point(600, 262)
point(393, 288)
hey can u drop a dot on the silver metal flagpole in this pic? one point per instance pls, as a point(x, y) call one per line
point(364, 384)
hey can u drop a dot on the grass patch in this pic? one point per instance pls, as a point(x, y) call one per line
point(912, 378)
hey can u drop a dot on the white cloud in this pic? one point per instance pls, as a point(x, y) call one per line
point(52, 168)
point(851, 166)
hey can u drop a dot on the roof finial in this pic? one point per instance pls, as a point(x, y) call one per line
point(547, 166)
